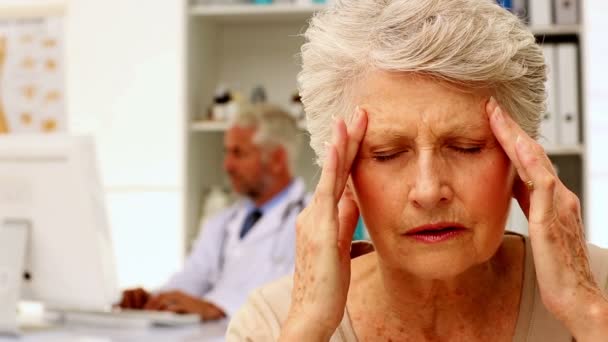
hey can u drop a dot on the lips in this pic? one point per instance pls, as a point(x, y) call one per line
point(436, 229)
point(436, 233)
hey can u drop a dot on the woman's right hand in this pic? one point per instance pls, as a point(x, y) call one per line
point(324, 233)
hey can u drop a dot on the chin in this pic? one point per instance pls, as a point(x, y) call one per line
point(440, 270)
point(434, 264)
point(438, 267)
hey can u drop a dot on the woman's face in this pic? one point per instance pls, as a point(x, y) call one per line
point(431, 181)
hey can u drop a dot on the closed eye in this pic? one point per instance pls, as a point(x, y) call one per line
point(466, 150)
point(386, 157)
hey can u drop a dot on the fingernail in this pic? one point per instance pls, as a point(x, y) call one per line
point(357, 113)
point(495, 110)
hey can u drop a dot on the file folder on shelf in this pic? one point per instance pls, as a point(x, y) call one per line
point(548, 125)
point(566, 12)
point(567, 94)
point(518, 7)
point(540, 12)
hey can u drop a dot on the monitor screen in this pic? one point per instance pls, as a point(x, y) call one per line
point(50, 185)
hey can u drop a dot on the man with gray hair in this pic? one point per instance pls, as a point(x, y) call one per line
point(253, 241)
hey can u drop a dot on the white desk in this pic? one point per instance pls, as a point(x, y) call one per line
point(213, 332)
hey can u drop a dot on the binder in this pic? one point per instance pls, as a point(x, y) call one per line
point(548, 125)
point(505, 3)
point(567, 94)
point(540, 12)
point(517, 7)
point(566, 12)
point(520, 9)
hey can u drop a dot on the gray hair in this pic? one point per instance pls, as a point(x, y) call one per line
point(469, 43)
point(274, 128)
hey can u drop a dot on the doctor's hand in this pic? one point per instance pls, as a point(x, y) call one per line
point(567, 286)
point(180, 302)
point(134, 298)
point(323, 238)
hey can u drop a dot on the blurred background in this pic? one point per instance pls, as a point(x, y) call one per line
point(155, 81)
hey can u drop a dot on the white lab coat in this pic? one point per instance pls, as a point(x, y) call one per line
point(223, 268)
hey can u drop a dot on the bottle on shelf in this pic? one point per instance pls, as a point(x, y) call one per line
point(225, 104)
point(296, 109)
point(258, 95)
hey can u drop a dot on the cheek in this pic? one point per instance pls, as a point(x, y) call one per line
point(253, 164)
point(376, 189)
point(490, 177)
point(486, 189)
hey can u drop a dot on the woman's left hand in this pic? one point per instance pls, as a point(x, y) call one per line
point(567, 286)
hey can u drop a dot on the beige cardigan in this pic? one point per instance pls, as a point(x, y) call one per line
point(261, 317)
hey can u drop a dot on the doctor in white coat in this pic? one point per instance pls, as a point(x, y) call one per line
point(253, 241)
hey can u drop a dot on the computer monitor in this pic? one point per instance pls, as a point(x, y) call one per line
point(50, 186)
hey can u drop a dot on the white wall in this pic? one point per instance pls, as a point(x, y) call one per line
point(596, 93)
point(125, 86)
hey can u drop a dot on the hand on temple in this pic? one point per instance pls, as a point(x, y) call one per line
point(323, 239)
point(567, 286)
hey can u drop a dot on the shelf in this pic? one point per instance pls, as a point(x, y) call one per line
point(29, 9)
point(208, 126)
point(564, 150)
point(254, 13)
point(219, 126)
point(556, 30)
point(290, 13)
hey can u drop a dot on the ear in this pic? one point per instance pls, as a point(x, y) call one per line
point(278, 159)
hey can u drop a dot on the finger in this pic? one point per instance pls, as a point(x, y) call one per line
point(348, 216)
point(154, 303)
point(506, 131)
point(340, 142)
point(356, 132)
point(325, 188)
point(180, 309)
point(522, 195)
point(543, 194)
point(139, 299)
point(505, 134)
point(125, 301)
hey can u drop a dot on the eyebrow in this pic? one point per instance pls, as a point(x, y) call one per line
point(392, 133)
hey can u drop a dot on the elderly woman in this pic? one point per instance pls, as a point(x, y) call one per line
point(442, 100)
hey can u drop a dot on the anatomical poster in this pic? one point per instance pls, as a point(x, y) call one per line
point(32, 90)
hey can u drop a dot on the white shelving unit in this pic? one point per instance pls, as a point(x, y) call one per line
point(219, 126)
point(254, 13)
point(247, 45)
point(556, 30)
point(241, 46)
point(569, 161)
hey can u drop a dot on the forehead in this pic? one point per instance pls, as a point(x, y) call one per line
point(405, 102)
point(239, 136)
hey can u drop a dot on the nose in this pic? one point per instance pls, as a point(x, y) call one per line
point(429, 191)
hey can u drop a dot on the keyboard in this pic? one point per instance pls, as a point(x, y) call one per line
point(129, 318)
